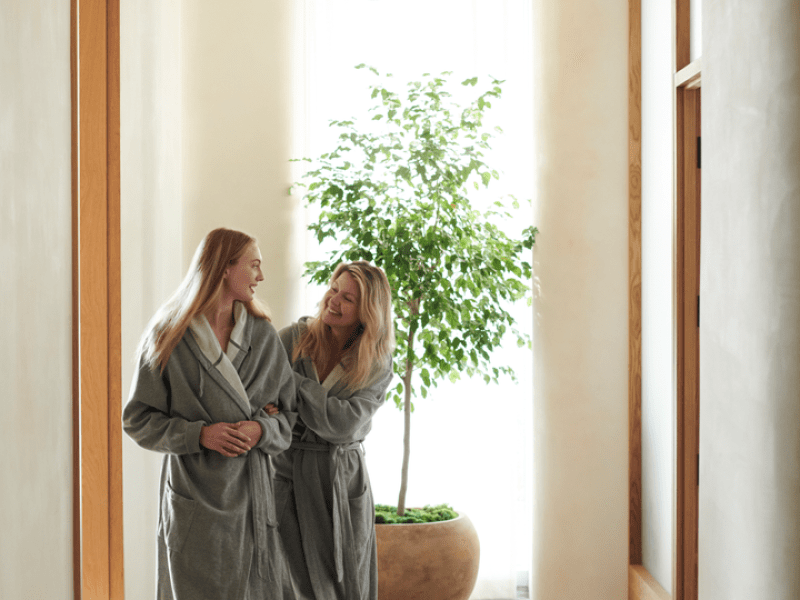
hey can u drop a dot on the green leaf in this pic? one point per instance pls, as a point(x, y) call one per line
point(426, 376)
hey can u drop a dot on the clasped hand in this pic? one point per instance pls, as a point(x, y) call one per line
point(231, 439)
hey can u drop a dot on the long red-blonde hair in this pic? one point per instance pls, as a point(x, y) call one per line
point(200, 290)
point(374, 344)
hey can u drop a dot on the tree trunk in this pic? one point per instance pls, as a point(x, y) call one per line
point(401, 501)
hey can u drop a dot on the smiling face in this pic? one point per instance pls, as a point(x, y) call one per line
point(340, 304)
point(242, 278)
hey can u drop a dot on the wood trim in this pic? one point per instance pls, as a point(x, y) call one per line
point(93, 285)
point(689, 76)
point(643, 586)
point(635, 282)
point(687, 331)
point(682, 9)
point(96, 292)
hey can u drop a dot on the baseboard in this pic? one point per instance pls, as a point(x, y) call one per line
point(643, 586)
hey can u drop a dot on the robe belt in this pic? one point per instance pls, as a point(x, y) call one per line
point(343, 542)
point(263, 511)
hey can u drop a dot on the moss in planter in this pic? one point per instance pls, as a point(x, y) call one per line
point(429, 514)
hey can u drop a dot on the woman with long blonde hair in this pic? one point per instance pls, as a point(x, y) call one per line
point(208, 363)
point(342, 367)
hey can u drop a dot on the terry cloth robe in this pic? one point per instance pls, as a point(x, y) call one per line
point(217, 534)
point(326, 514)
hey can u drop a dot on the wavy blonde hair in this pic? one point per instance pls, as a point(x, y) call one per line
point(200, 291)
point(375, 336)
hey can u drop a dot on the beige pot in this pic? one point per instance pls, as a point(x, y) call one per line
point(428, 561)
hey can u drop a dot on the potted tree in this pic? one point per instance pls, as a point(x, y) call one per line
point(397, 191)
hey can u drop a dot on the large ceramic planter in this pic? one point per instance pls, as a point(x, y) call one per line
point(428, 561)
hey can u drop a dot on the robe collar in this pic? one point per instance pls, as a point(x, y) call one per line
point(222, 362)
point(333, 377)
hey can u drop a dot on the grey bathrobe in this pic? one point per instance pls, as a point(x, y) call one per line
point(217, 537)
point(323, 496)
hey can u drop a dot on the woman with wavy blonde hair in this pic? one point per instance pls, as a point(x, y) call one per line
point(208, 363)
point(342, 362)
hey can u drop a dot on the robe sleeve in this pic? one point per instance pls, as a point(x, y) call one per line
point(276, 430)
point(146, 417)
point(288, 337)
point(338, 420)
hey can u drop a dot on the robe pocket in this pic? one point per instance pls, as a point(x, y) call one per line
point(177, 514)
point(362, 520)
point(358, 485)
point(282, 491)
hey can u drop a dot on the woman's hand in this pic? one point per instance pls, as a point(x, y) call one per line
point(271, 409)
point(252, 429)
point(227, 439)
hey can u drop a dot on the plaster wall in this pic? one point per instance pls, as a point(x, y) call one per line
point(36, 300)
point(695, 29)
point(151, 257)
point(658, 389)
point(236, 135)
point(580, 520)
point(750, 291)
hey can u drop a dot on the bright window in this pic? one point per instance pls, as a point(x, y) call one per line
point(471, 443)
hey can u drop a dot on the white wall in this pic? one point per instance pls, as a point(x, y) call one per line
point(750, 291)
point(150, 127)
point(580, 301)
point(658, 389)
point(36, 301)
point(695, 29)
point(237, 92)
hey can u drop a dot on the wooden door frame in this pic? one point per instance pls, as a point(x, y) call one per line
point(686, 235)
point(96, 314)
point(687, 295)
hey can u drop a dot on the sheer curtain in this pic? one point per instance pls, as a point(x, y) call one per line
point(471, 445)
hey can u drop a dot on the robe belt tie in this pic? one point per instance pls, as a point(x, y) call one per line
point(263, 511)
point(343, 542)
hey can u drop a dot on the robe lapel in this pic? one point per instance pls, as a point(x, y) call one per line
point(218, 363)
point(307, 368)
point(239, 344)
point(333, 377)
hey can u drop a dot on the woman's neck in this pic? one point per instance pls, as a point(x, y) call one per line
point(343, 338)
point(221, 315)
point(221, 320)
